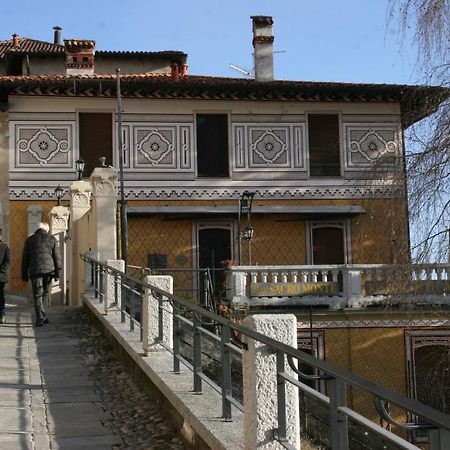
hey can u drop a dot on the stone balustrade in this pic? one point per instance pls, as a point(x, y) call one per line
point(337, 286)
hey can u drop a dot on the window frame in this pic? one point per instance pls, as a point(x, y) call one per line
point(344, 224)
point(340, 141)
point(229, 143)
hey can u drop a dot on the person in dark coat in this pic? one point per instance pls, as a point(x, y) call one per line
point(5, 259)
point(40, 263)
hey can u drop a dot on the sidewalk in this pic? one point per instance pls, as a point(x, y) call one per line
point(46, 399)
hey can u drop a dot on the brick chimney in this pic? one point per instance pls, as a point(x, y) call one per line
point(15, 40)
point(263, 47)
point(57, 35)
point(80, 55)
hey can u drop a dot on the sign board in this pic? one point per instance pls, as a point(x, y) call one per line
point(292, 289)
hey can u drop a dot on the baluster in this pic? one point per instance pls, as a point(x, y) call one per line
point(264, 276)
point(274, 277)
point(334, 275)
point(254, 277)
point(368, 273)
point(294, 276)
point(304, 277)
point(314, 276)
point(284, 277)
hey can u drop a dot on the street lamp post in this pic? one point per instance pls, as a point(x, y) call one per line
point(245, 208)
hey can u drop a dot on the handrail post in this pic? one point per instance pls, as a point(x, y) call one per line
point(226, 372)
point(157, 312)
point(261, 401)
point(111, 291)
point(176, 332)
point(197, 357)
point(338, 420)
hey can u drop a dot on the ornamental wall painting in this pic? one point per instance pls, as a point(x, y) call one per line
point(268, 146)
point(369, 146)
point(155, 146)
point(44, 146)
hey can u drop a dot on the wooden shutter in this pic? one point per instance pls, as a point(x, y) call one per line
point(212, 145)
point(324, 155)
point(328, 245)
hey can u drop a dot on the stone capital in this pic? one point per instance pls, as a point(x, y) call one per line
point(103, 181)
point(80, 193)
point(59, 218)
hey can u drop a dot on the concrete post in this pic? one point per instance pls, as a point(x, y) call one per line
point(150, 317)
point(110, 284)
point(34, 217)
point(80, 204)
point(59, 223)
point(236, 286)
point(260, 384)
point(104, 206)
point(352, 288)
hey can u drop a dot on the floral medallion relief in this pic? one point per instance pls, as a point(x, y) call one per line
point(268, 147)
point(155, 147)
point(43, 146)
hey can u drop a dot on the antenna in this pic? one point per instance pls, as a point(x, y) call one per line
point(245, 72)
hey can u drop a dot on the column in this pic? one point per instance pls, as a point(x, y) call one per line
point(34, 217)
point(104, 205)
point(59, 223)
point(80, 241)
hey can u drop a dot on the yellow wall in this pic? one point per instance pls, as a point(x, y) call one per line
point(18, 232)
point(376, 354)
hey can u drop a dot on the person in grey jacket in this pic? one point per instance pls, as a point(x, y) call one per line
point(40, 263)
point(5, 259)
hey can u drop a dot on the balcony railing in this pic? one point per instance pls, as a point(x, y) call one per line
point(338, 286)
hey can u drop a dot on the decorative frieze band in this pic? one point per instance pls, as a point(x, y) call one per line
point(375, 323)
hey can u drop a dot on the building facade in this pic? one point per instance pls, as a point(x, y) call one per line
point(323, 161)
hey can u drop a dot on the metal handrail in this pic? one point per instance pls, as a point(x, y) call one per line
point(337, 377)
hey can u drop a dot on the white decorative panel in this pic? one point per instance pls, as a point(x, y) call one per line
point(126, 147)
point(269, 146)
point(239, 147)
point(42, 145)
point(155, 146)
point(185, 147)
point(299, 146)
point(372, 144)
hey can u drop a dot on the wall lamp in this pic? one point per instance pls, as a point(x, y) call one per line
point(59, 192)
point(79, 165)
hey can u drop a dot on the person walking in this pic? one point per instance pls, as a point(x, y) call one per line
point(40, 263)
point(5, 260)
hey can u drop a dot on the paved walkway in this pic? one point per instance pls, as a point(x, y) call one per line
point(46, 399)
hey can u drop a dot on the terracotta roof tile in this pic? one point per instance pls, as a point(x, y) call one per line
point(27, 45)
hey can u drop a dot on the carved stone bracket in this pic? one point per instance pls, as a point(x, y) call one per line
point(80, 194)
point(59, 218)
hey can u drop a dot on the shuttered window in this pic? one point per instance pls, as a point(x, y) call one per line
point(324, 154)
point(212, 145)
point(96, 139)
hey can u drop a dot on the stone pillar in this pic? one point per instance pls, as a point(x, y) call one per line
point(59, 223)
point(34, 217)
point(110, 284)
point(352, 288)
point(104, 207)
point(4, 170)
point(80, 204)
point(150, 315)
point(260, 384)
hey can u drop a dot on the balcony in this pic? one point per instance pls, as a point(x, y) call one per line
point(339, 286)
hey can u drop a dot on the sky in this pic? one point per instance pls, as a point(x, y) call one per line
point(315, 40)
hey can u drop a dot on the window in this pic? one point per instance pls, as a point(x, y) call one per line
point(428, 370)
point(212, 145)
point(95, 139)
point(324, 154)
